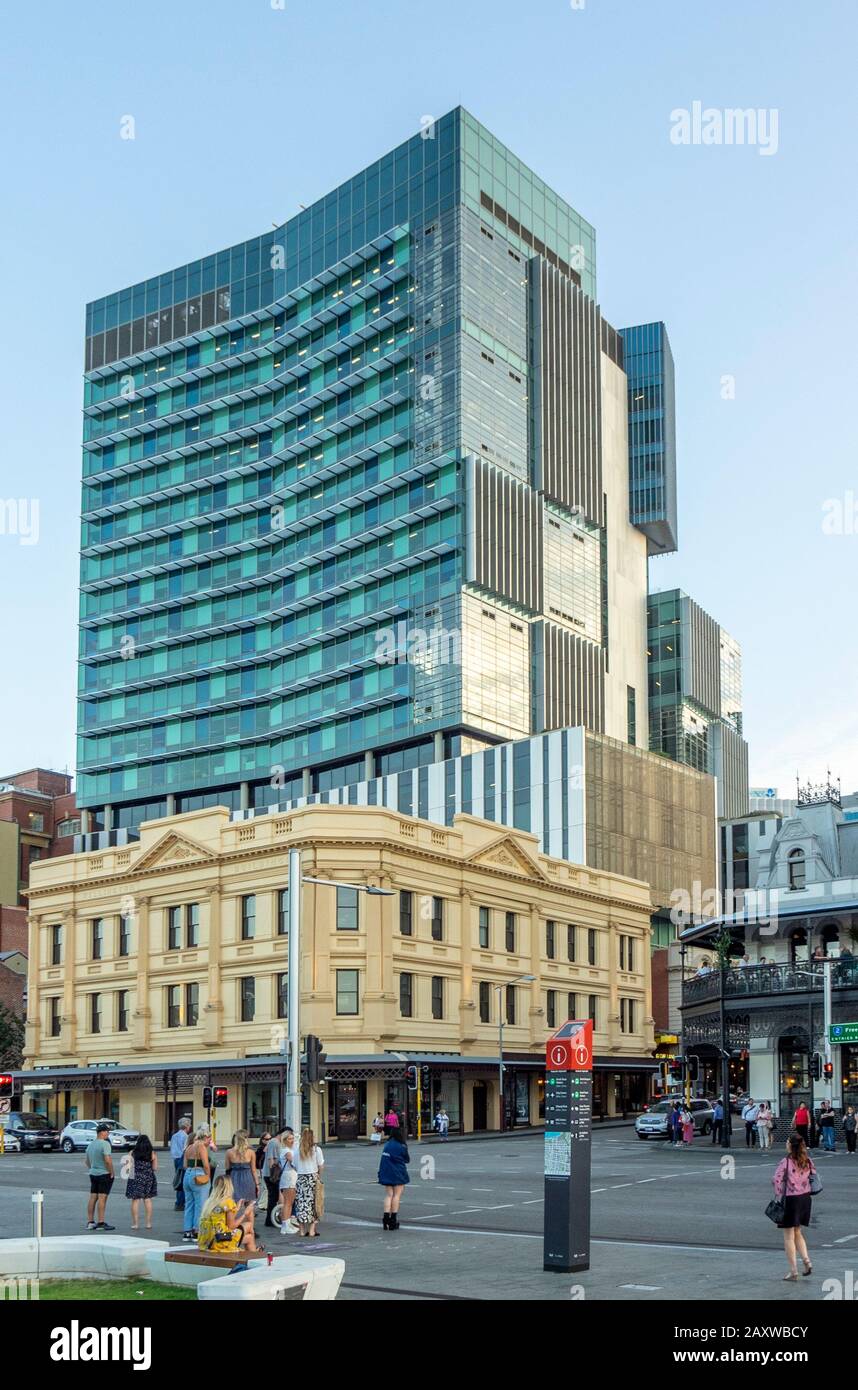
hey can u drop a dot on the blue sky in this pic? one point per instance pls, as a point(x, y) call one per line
point(243, 111)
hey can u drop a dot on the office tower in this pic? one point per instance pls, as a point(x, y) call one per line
point(652, 435)
point(695, 696)
point(355, 495)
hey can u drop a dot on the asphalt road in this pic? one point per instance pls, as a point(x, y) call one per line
point(666, 1224)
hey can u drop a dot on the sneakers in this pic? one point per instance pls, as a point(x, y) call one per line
point(188, 1236)
point(91, 1226)
point(103, 1226)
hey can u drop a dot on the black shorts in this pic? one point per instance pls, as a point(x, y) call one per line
point(100, 1184)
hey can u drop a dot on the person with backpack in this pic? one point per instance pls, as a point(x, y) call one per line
point(795, 1179)
point(393, 1176)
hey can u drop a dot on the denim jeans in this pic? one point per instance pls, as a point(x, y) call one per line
point(180, 1191)
point(828, 1137)
point(196, 1194)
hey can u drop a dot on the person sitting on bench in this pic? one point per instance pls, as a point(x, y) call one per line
point(226, 1225)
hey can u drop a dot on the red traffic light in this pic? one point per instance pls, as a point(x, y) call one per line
point(828, 1070)
point(220, 1097)
point(7, 1086)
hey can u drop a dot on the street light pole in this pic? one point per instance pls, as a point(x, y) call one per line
point(519, 980)
point(293, 986)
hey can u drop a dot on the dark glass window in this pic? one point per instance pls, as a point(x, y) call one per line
point(592, 1009)
point(98, 940)
point(549, 939)
point(405, 995)
point(571, 1005)
point(174, 928)
point(248, 917)
point(485, 1002)
point(125, 934)
point(56, 945)
point(437, 919)
point(174, 1006)
point(283, 996)
point(192, 1005)
point(283, 912)
point(570, 942)
point(347, 991)
point(122, 1011)
point(192, 924)
point(484, 928)
point(437, 996)
point(551, 1008)
point(247, 987)
point(54, 1017)
point(95, 1013)
point(510, 931)
point(591, 945)
point(347, 909)
point(510, 1003)
point(406, 914)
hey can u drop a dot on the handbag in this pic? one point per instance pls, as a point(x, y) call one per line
point(776, 1209)
point(178, 1179)
point(815, 1183)
point(126, 1168)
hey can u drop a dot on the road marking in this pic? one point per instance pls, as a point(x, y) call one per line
point(622, 1184)
point(520, 1191)
point(482, 1189)
point(843, 1239)
point(647, 1288)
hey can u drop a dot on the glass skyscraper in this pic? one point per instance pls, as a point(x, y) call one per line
point(652, 435)
point(350, 506)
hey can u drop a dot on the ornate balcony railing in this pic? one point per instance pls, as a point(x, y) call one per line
point(746, 981)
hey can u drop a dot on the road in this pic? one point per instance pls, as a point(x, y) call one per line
point(666, 1224)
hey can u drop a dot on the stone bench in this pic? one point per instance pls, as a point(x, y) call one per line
point(85, 1256)
point(298, 1278)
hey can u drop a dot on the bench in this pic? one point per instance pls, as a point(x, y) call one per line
point(90, 1255)
point(289, 1278)
point(217, 1259)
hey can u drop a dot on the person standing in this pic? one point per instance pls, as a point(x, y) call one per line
point(801, 1121)
point(142, 1181)
point(750, 1110)
point(198, 1173)
point(442, 1123)
point(288, 1183)
point(687, 1120)
point(272, 1168)
point(791, 1182)
point(377, 1128)
point(393, 1175)
point(674, 1121)
point(309, 1162)
point(827, 1121)
point(178, 1144)
point(99, 1161)
point(391, 1119)
point(717, 1121)
point(850, 1123)
point(765, 1125)
point(241, 1170)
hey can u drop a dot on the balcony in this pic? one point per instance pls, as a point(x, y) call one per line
point(754, 980)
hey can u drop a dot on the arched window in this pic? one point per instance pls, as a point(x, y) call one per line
point(797, 868)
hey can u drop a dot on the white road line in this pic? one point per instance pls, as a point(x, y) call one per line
point(622, 1184)
point(647, 1288)
point(842, 1240)
point(520, 1191)
point(482, 1189)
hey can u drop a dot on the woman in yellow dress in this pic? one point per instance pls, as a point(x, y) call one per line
point(226, 1225)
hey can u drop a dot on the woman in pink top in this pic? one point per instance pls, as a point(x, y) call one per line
point(792, 1182)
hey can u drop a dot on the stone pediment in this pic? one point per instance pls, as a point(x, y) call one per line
point(172, 848)
point(505, 854)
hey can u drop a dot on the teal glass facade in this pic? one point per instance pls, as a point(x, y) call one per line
point(272, 477)
point(648, 363)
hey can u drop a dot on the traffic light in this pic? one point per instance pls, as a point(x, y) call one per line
point(677, 1069)
point(424, 1078)
point(7, 1086)
point(828, 1070)
point(411, 1078)
point(220, 1097)
point(316, 1069)
point(816, 1067)
point(693, 1067)
point(207, 1097)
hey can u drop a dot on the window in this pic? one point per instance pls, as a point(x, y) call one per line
point(627, 952)
point(627, 1015)
point(510, 1003)
point(98, 939)
point(347, 991)
point(71, 826)
point(592, 1013)
point(283, 912)
point(192, 1005)
point(174, 1006)
point(437, 919)
point(485, 1002)
point(347, 909)
point(484, 928)
point(551, 1008)
point(549, 939)
point(248, 917)
point(37, 822)
point(405, 994)
point(591, 946)
point(406, 914)
point(797, 867)
point(174, 928)
point(570, 1005)
point(192, 924)
point(95, 1013)
point(631, 714)
point(510, 931)
point(247, 996)
point(56, 945)
point(122, 1011)
point(125, 934)
point(437, 996)
point(570, 943)
point(54, 1020)
point(283, 996)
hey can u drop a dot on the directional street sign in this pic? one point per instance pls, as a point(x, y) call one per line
point(843, 1032)
point(568, 1118)
point(5, 1105)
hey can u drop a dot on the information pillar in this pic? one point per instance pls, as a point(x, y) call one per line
point(568, 1124)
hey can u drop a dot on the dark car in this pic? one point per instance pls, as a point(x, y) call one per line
point(32, 1131)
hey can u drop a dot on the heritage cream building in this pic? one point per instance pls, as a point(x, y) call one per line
point(160, 967)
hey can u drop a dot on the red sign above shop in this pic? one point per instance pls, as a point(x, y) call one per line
point(571, 1047)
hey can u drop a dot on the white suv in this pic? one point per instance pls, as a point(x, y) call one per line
point(79, 1133)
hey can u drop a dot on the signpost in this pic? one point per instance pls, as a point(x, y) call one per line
point(843, 1032)
point(568, 1120)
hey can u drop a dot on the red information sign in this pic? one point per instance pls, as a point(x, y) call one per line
point(571, 1047)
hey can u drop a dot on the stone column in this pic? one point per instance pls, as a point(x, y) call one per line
point(213, 1011)
point(615, 1037)
point(33, 1028)
point(143, 1011)
point(68, 1018)
point(538, 1025)
point(467, 1005)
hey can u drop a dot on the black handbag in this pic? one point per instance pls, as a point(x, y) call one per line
point(776, 1210)
point(815, 1183)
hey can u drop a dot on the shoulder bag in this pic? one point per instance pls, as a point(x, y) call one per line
point(776, 1209)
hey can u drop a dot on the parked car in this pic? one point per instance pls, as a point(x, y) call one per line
point(31, 1131)
point(652, 1124)
point(79, 1133)
point(11, 1143)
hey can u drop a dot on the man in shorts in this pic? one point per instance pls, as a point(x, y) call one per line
point(288, 1184)
point(99, 1161)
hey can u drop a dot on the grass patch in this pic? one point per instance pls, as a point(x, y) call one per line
point(111, 1290)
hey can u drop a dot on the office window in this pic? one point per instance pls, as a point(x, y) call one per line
point(54, 1020)
point(627, 1015)
point(571, 1005)
point(591, 946)
point(98, 939)
point(551, 1008)
point(56, 952)
point(124, 934)
point(347, 991)
point(192, 924)
point(95, 1013)
point(592, 1002)
point(510, 1003)
point(122, 1011)
point(283, 996)
point(248, 917)
point(406, 914)
point(192, 1005)
point(437, 919)
point(485, 1002)
point(247, 989)
point(405, 995)
point(510, 931)
point(347, 909)
point(484, 928)
point(283, 912)
point(174, 1006)
point(631, 714)
point(437, 996)
point(570, 942)
point(549, 939)
point(174, 928)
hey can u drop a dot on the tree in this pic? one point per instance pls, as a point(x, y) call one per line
point(11, 1039)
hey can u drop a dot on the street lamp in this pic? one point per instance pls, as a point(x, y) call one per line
point(519, 980)
point(293, 968)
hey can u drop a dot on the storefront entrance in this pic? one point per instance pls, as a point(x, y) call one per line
point(481, 1105)
point(347, 1109)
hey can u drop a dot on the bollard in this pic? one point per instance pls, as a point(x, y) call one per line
point(38, 1214)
